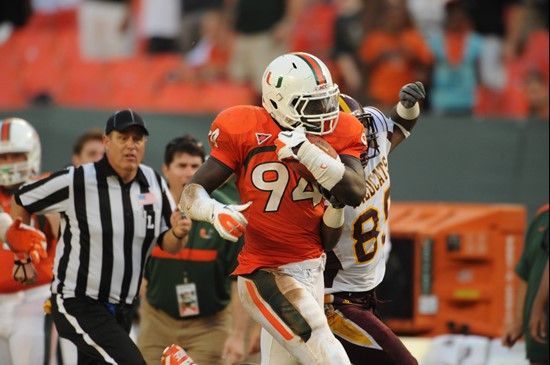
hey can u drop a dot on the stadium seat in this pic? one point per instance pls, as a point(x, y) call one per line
point(217, 96)
point(11, 98)
point(40, 70)
point(131, 84)
point(180, 97)
point(84, 84)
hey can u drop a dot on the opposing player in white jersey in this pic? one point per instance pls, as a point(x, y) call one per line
point(357, 264)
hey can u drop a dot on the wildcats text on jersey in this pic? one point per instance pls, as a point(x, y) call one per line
point(376, 178)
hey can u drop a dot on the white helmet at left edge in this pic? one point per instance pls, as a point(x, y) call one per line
point(18, 136)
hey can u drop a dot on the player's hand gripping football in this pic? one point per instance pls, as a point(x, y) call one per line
point(24, 239)
point(288, 143)
point(411, 93)
point(229, 221)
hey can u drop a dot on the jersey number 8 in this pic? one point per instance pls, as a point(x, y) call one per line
point(363, 238)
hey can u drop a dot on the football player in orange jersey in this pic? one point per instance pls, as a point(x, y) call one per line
point(22, 324)
point(287, 228)
point(356, 266)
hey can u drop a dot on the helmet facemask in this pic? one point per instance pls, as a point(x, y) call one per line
point(371, 132)
point(317, 113)
point(14, 173)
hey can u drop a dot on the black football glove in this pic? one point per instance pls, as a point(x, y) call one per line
point(411, 93)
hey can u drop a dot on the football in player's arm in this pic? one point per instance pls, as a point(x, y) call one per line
point(343, 178)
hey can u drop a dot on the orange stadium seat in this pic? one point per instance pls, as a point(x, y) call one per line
point(10, 90)
point(160, 65)
point(40, 70)
point(180, 97)
point(66, 44)
point(221, 95)
point(85, 84)
point(131, 84)
point(11, 97)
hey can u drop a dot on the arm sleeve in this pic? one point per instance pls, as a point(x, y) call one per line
point(48, 195)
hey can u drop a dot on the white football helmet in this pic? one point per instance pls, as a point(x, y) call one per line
point(18, 136)
point(297, 90)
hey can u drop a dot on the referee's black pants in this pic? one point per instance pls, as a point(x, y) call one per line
point(101, 334)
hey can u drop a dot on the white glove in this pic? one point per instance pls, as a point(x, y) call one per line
point(287, 140)
point(229, 221)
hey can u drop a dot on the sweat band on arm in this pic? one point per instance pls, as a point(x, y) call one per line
point(326, 170)
point(408, 113)
point(333, 217)
point(197, 204)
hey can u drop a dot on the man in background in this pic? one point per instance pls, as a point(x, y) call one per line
point(530, 268)
point(88, 147)
point(187, 294)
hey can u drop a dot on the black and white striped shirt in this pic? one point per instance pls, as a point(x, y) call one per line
point(108, 228)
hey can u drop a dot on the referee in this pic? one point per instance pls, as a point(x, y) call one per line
point(112, 213)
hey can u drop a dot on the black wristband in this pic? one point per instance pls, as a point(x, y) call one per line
point(179, 238)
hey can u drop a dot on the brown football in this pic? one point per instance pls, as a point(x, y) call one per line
point(301, 169)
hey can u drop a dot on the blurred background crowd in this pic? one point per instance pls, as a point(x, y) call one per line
point(478, 58)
